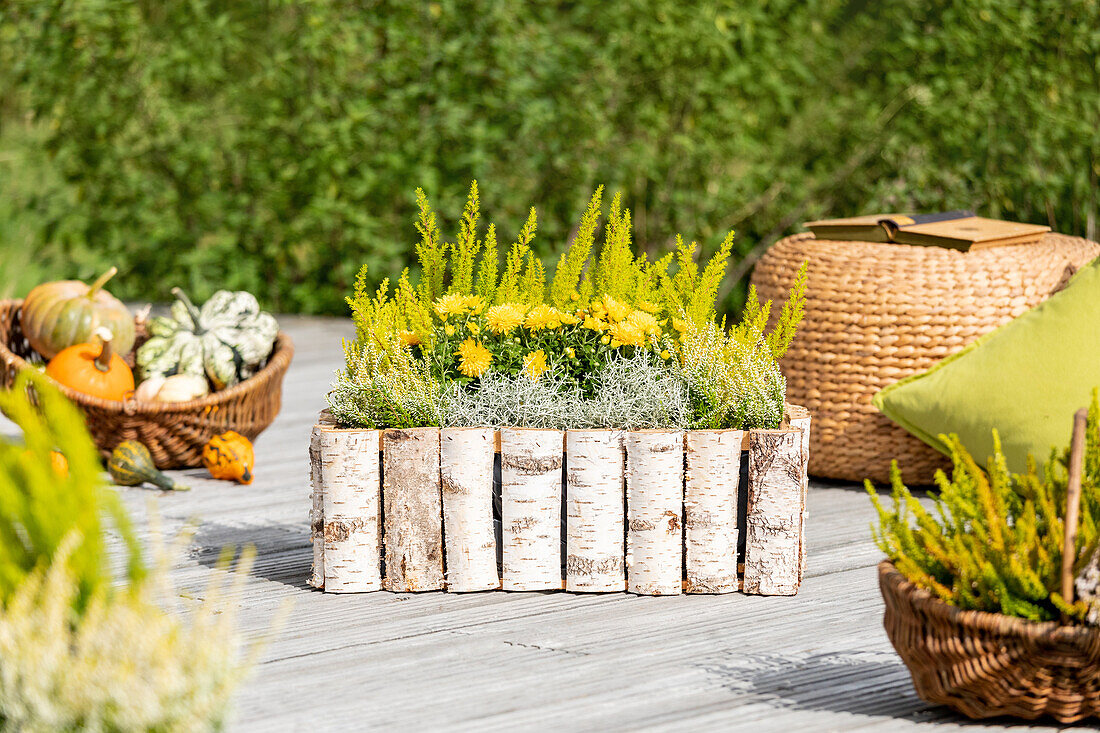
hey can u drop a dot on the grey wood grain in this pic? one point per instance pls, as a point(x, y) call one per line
point(818, 661)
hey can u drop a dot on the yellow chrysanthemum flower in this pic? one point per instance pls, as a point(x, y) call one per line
point(534, 364)
point(597, 309)
point(605, 340)
point(568, 319)
point(648, 307)
point(594, 324)
point(679, 325)
point(505, 317)
point(476, 359)
point(473, 328)
point(645, 321)
point(665, 355)
point(449, 330)
point(408, 338)
point(542, 317)
point(451, 304)
point(473, 303)
point(625, 333)
point(616, 311)
point(571, 353)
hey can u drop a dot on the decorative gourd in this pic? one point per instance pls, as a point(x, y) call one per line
point(93, 369)
point(229, 456)
point(61, 314)
point(131, 464)
point(177, 388)
point(58, 462)
point(226, 341)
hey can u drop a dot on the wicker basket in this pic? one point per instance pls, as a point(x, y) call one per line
point(174, 432)
point(986, 664)
point(876, 313)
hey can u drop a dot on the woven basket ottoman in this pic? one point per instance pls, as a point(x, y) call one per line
point(876, 313)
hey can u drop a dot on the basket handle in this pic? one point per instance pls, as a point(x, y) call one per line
point(1073, 501)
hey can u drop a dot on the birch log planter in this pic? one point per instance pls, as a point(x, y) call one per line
point(466, 458)
point(654, 512)
point(712, 472)
point(773, 547)
point(530, 514)
point(655, 505)
point(413, 510)
point(594, 525)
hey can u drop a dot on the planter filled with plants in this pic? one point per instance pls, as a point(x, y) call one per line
point(170, 383)
point(496, 426)
point(984, 604)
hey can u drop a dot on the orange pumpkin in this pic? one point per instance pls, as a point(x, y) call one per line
point(229, 456)
point(60, 314)
point(93, 369)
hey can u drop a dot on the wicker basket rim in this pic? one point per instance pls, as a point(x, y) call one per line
point(281, 355)
point(998, 623)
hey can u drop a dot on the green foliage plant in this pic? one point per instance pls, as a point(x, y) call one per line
point(41, 506)
point(992, 540)
point(468, 321)
point(81, 649)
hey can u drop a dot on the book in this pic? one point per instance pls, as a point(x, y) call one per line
point(956, 229)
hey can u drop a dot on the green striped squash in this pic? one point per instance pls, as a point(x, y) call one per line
point(131, 464)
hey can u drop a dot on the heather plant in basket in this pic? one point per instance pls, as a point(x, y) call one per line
point(610, 339)
point(992, 540)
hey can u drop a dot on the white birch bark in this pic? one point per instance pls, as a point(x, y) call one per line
point(413, 510)
point(530, 462)
point(799, 418)
point(655, 503)
point(466, 468)
point(316, 511)
point(351, 504)
point(773, 552)
point(595, 511)
point(713, 460)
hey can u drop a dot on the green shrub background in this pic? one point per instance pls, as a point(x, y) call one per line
point(275, 146)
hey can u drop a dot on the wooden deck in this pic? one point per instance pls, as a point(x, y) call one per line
point(816, 662)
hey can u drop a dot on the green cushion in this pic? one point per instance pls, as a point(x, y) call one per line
point(1025, 379)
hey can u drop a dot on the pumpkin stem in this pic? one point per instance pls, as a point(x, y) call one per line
point(103, 361)
point(195, 313)
point(101, 281)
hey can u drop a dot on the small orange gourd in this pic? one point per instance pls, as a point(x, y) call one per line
point(58, 462)
point(93, 369)
point(229, 456)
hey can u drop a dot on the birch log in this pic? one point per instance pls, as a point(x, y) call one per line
point(316, 511)
point(466, 468)
point(413, 511)
point(655, 502)
point(799, 418)
point(710, 509)
point(594, 511)
point(530, 463)
point(350, 507)
point(773, 551)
